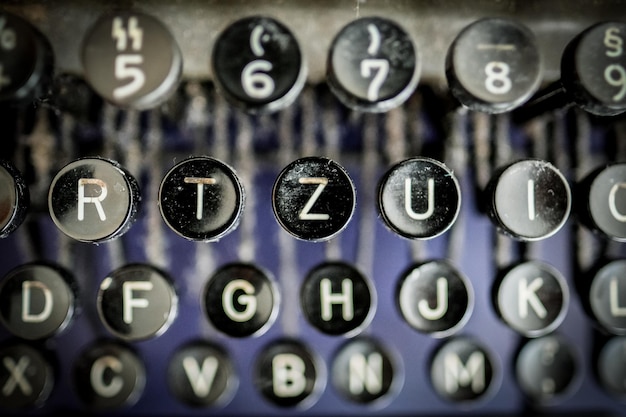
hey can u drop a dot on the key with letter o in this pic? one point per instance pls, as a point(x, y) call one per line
point(131, 60)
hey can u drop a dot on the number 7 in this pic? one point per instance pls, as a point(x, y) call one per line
point(382, 67)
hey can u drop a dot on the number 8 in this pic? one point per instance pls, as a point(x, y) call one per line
point(498, 81)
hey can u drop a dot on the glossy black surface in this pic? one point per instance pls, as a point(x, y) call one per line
point(14, 198)
point(201, 199)
point(131, 60)
point(494, 65)
point(258, 64)
point(373, 65)
point(607, 297)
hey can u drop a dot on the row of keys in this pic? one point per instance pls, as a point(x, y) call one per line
point(494, 65)
point(202, 199)
point(287, 373)
point(138, 301)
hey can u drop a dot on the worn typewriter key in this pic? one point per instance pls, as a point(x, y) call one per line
point(546, 369)
point(337, 299)
point(201, 374)
point(37, 300)
point(313, 198)
point(463, 371)
point(108, 375)
point(532, 298)
point(241, 300)
point(419, 198)
point(288, 374)
point(435, 298)
point(607, 297)
point(201, 199)
point(131, 60)
point(258, 65)
point(372, 65)
point(137, 302)
point(26, 60)
point(494, 65)
point(93, 200)
point(348, 367)
point(528, 200)
point(602, 202)
point(26, 376)
point(610, 368)
point(14, 198)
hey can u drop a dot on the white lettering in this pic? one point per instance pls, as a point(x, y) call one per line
point(82, 200)
point(201, 379)
point(306, 214)
point(248, 300)
point(129, 302)
point(408, 205)
point(288, 378)
point(612, 205)
point(616, 309)
point(528, 297)
point(17, 377)
point(97, 379)
point(328, 298)
point(44, 314)
point(366, 373)
point(201, 182)
point(457, 374)
point(442, 302)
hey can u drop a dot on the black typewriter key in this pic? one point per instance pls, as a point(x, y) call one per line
point(241, 300)
point(26, 376)
point(373, 65)
point(435, 298)
point(532, 298)
point(593, 69)
point(93, 200)
point(529, 200)
point(419, 198)
point(603, 201)
point(26, 60)
point(131, 60)
point(137, 302)
point(108, 375)
point(258, 65)
point(14, 198)
point(201, 374)
point(37, 300)
point(201, 199)
point(337, 299)
point(313, 198)
point(287, 373)
point(462, 371)
point(546, 369)
point(494, 65)
point(363, 371)
point(607, 297)
point(611, 366)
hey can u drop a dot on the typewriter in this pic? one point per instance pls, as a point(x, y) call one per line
point(313, 208)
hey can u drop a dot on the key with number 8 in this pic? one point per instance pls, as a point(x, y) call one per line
point(131, 60)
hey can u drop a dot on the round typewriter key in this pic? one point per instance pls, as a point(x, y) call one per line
point(26, 60)
point(93, 200)
point(363, 371)
point(337, 299)
point(108, 375)
point(137, 302)
point(314, 198)
point(200, 375)
point(419, 198)
point(258, 65)
point(241, 300)
point(26, 376)
point(372, 65)
point(610, 366)
point(287, 374)
point(532, 298)
point(603, 201)
point(14, 198)
point(435, 298)
point(529, 200)
point(201, 199)
point(607, 297)
point(131, 60)
point(462, 371)
point(593, 69)
point(546, 369)
point(37, 300)
point(494, 65)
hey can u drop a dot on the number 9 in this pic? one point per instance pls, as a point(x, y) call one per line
point(619, 81)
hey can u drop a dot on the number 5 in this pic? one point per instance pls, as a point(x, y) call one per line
point(124, 70)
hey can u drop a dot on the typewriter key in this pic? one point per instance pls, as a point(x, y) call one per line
point(14, 198)
point(494, 65)
point(258, 65)
point(26, 376)
point(131, 60)
point(607, 297)
point(373, 65)
point(610, 366)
